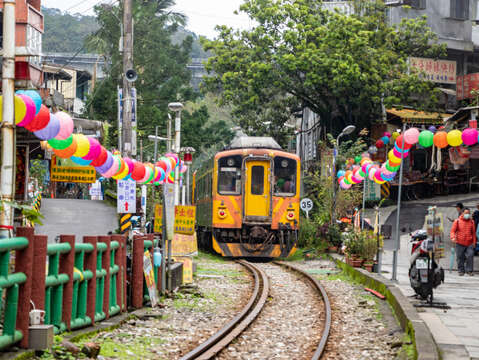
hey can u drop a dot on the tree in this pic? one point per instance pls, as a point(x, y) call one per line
point(342, 67)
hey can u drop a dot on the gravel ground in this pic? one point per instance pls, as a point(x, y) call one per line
point(363, 326)
point(290, 325)
point(222, 289)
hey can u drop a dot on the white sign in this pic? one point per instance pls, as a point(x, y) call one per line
point(306, 205)
point(126, 192)
point(95, 191)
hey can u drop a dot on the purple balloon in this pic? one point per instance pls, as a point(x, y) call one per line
point(49, 131)
point(107, 165)
point(432, 129)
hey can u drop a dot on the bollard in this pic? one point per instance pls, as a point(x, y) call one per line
point(39, 270)
point(67, 263)
point(106, 265)
point(137, 273)
point(91, 265)
point(23, 264)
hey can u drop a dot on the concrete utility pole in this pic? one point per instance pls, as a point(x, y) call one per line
point(7, 174)
point(177, 107)
point(127, 83)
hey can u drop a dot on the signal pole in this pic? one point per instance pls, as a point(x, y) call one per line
point(126, 133)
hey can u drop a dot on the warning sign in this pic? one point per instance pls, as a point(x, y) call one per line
point(158, 218)
point(185, 219)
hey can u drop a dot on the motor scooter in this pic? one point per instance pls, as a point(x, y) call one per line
point(424, 273)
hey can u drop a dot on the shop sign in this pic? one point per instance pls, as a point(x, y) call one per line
point(438, 71)
point(158, 218)
point(465, 84)
point(74, 174)
point(187, 268)
point(183, 245)
point(185, 219)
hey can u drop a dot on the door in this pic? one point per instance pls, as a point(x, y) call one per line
point(257, 194)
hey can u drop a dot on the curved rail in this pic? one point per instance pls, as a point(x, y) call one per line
point(327, 307)
point(240, 322)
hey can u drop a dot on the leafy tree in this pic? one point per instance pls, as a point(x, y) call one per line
point(301, 54)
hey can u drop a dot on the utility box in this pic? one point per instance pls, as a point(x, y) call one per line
point(40, 337)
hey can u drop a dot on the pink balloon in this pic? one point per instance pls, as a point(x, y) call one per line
point(345, 186)
point(411, 136)
point(130, 163)
point(387, 133)
point(398, 154)
point(31, 110)
point(66, 125)
point(469, 136)
point(95, 149)
point(372, 171)
point(114, 167)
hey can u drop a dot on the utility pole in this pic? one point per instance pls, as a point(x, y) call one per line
point(7, 174)
point(127, 83)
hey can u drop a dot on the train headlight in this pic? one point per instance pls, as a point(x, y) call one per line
point(222, 213)
point(290, 215)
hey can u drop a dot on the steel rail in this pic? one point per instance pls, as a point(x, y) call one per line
point(327, 307)
point(217, 342)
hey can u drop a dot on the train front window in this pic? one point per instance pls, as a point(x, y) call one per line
point(229, 175)
point(257, 180)
point(284, 176)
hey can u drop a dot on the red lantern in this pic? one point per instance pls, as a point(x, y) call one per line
point(138, 172)
point(188, 158)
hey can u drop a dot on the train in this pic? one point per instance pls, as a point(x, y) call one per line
point(247, 200)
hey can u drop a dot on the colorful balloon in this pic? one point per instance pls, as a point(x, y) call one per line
point(138, 172)
point(107, 165)
point(440, 139)
point(66, 125)
point(80, 161)
point(115, 167)
point(40, 120)
point(426, 138)
point(454, 138)
point(385, 140)
point(395, 135)
point(101, 158)
point(68, 151)
point(379, 144)
point(30, 110)
point(83, 145)
point(387, 134)
point(372, 150)
point(400, 145)
point(411, 136)
point(469, 136)
point(339, 174)
point(60, 144)
point(50, 131)
point(36, 98)
point(130, 164)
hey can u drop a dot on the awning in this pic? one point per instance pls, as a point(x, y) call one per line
point(411, 116)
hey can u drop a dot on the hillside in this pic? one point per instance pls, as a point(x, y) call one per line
point(65, 33)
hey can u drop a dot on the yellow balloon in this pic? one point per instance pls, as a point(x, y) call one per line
point(121, 175)
point(393, 158)
point(395, 135)
point(454, 138)
point(20, 109)
point(378, 182)
point(83, 145)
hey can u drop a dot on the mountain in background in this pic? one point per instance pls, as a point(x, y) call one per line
point(65, 32)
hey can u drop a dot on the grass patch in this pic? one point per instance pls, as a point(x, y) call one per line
point(201, 269)
point(407, 349)
point(206, 256)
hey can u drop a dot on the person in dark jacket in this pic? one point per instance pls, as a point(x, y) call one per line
point(463, 234)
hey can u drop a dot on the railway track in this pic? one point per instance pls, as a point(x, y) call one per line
point(221, 339)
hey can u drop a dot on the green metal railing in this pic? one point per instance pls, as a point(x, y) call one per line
point(80, 287)
point(54, 287)
point(114, 308)
point(9, 285)
point(100, 282)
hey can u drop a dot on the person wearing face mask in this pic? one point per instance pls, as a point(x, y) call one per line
point(463, 234)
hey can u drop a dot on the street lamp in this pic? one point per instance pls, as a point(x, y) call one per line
point(346, 131)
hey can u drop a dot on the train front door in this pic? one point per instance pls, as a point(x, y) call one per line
point(257, 192)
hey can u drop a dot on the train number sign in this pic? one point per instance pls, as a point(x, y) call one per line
point(306, 205)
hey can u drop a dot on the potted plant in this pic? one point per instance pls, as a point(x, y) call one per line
point(369, 249)
point(334, 238)
point(353, 248)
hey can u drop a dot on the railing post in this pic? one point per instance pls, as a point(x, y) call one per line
point(90, 264)
point(105, 264)
point(120, 260)
point(67, 263)
point(23, 263)
point(123, 285)
point(39, 270)
point(137, 272)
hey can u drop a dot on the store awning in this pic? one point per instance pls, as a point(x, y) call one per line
point(411, 116)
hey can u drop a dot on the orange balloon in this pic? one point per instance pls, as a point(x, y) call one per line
point(122, 167)
point(440, 139)
point(68, 152)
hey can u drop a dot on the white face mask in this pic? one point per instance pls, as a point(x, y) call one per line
point(467, 216)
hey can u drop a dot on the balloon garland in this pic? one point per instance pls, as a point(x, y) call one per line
point(57, 130)
point(363, 167)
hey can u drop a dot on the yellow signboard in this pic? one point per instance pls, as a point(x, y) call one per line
point(183, 245)
point(158, 218)
point(185, 219)
point(76, 174)
point(187, 268)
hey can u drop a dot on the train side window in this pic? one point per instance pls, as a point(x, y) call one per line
point(284, 176)
point(229, 175)
point(257, 180)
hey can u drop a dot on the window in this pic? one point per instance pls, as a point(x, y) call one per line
point(284, 176)
point(229, 175)
point(460, 9)
point(257, 180)
point(416, 4)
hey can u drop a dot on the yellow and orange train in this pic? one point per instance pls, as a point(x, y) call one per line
point(247, 200)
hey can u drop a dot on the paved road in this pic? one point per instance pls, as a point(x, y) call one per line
point(455, 330)
point(77, 217)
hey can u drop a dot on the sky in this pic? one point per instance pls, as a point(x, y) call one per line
point(202, 15)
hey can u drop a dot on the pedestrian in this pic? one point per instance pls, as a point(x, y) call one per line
point(463, 234)
point(459, 208)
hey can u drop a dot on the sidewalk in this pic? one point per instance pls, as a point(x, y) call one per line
point(456, 331)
